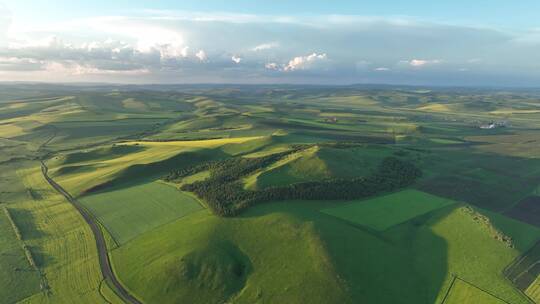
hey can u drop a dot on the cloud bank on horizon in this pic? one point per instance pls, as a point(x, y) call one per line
point(201, 47)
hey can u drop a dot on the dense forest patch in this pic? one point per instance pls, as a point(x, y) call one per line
point(225, 195)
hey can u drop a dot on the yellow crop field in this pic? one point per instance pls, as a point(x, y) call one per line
point(435, 107)
point(207, 143)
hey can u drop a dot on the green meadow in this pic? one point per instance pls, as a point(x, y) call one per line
point(129, 212)
point(18, 278)
point(465, 293)
point(383, 212)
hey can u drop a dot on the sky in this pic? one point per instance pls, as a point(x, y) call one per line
point(415, 42)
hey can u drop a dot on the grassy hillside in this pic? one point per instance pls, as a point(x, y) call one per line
point(419, 257)
point(317, 163)
point(136, 160)
point(202, 258)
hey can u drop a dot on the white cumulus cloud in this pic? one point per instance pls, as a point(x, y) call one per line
point(272, 66)
point(422, 62)
point(304, 62)
point(265, 46)
point(201, 54)
point(236, 59)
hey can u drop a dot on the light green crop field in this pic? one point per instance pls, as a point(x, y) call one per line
point(18, 278)
point(383, 212)
point(129, 212)
point(465, 293)
point(62, 245)
point(533, 291)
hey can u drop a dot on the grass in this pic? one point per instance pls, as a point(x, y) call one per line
point(202, 258)
point(278, 244)
point(465, 293)
point(435, 107)
point(472, 252)
point(522, 144)
point(534, 290)
point(200, 176)
point(318, 163)
point(207, 143)
point(62, 244)
point(153, 158)
point(383, 212)
point(17, 278)
point(446, 141)
point(253, 181)
point(490, 181)
point(129, 212)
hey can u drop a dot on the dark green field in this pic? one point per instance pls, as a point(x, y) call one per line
point(270, 194)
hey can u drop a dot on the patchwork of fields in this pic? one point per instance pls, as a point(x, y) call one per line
point(465, 231)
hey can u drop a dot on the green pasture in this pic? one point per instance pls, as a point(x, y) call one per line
point(135, 161)
point(18, 279)
point(132, 211)
point(465, 293)
point(274, 246)
point(383, 212)
point(202, 258)
point(320, 163)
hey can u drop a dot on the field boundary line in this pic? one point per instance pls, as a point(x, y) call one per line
point(159, 226)
point(454, 277)
point(481, 289)
point(43, 283)
point(101, 293)
point(101, 225)
point(527, 270)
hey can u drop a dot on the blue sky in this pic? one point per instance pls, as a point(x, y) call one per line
point(488, 12)
point(412, 42)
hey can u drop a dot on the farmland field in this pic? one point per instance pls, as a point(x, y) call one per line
point(465, 293)
point(18, 278)
point(381, 213)
point(63, 249)
point(268, 194)
point(129, 212)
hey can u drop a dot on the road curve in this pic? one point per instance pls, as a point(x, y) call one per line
point(104, 261)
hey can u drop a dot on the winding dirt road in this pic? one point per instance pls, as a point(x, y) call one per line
point(104, 261)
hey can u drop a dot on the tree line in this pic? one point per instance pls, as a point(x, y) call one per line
point(224, 193)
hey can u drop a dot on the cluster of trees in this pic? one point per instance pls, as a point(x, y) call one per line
point(230, 169)
point(225, 195)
